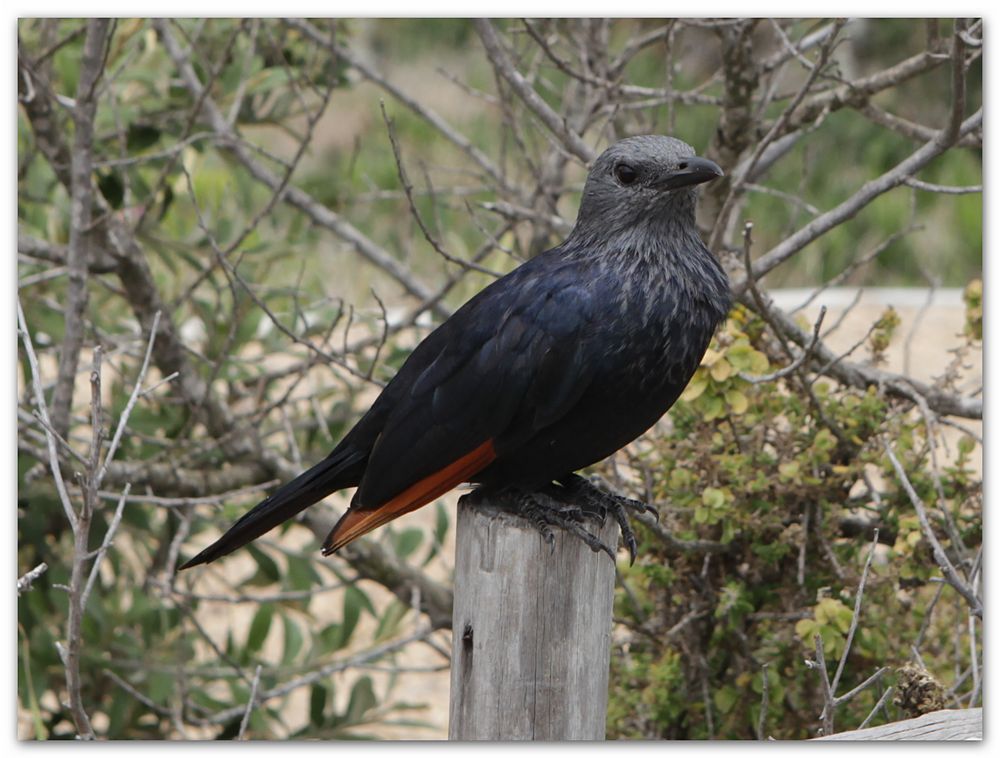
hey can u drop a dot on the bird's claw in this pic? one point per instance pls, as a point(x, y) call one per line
point(568, 506)
point(598, 497)
point(545, 511)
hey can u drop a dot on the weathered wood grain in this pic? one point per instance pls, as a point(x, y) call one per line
point(940, 725)
point(531, 631)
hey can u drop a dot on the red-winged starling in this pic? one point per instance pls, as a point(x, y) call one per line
point(549, 369)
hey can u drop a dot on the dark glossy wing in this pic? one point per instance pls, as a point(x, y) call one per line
point(509, 362)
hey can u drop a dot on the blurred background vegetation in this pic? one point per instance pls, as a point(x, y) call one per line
point(751, 468)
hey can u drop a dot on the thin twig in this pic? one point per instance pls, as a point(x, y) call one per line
point(81, 205)
point(762, 718)
point(794, 365)
point(852, 205)
point(43, 414)
point(95, 569)
point(251, 704)
point(408, 189)
point(130, 405)
point(880, 704)
point(828, 700)
point(858, 596)
point(503, 65)
point(25, 581)
point(943, 189)
point(951, 575)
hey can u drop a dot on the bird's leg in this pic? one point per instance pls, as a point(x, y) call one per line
point(596, 499)
point(545, 508)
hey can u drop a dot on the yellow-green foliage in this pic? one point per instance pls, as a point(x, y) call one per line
point(756, 469)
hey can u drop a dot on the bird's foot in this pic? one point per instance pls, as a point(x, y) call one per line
point(597, 499)
point(548, 508)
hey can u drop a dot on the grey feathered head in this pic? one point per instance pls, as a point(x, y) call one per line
point(643, 178)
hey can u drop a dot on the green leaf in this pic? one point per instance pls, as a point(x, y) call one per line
point(737, 401)
point(293, 639)
point(140, 136)
point(267, 569)
point(695, 387)
point(714, 407)
point(389, 622)
point(354, 600)
point(331, 638)
point(301, 574)
point(725, 698)
point(259, 627)
point(362, 700)
point(407, 541)
point(441, 523)
point(721, 370)
point(318, 696)
point(713, 497)
point(160, 686)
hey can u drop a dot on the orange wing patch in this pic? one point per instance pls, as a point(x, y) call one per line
point(357, 522)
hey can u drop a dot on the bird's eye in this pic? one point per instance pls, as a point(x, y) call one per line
point(625, 174)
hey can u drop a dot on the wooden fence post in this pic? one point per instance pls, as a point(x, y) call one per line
point(531, 631)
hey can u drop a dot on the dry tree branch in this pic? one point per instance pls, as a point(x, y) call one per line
point(186, 502)
point(43, 415)
point(858, 596)
point(860, 90)
point(25, 581)
point(764, 686)
point(850, 207)
point(251, 704)
point(912, 130)
point(951, 575)
point(323, 672)
point(748, 167)
point(943, 189)
point(794, 365)
point(766, 311)
point(408, 189)
point(863, 376)
point(369, 72)
point(319, 213)
point(826, 716)
point(81, 191)
point(503, 65)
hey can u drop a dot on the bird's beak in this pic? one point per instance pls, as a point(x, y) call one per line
point(692, 171)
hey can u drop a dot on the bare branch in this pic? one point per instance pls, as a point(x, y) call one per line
point(78, 255)
point(251, 703)
point(43, 414)
point(408, 189)
point(25, 581)
point(943, 189)
point(951, 575)
point(319, 213)
point(858, 596)
point(848, 208)
point(108, 537)
point(794, 365)
point(505, 67)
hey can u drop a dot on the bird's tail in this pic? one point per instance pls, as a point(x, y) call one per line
point(342, 468)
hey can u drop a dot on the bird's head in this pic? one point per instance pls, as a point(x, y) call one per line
point(647, 178)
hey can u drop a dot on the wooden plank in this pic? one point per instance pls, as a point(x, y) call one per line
point(940, 725)
point(531, 631)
